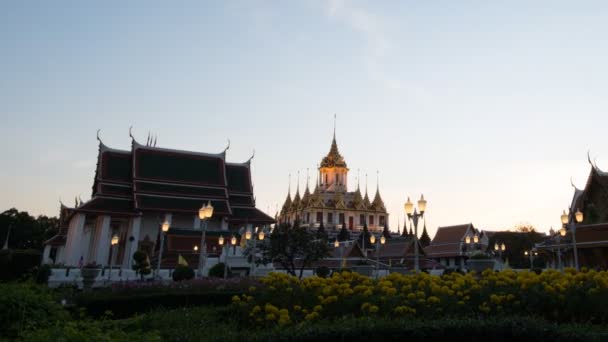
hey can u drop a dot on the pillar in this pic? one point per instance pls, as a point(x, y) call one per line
point(73, 245)
point(131, 246)
point(103, 239)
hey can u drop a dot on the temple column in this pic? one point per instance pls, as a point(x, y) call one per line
point(45, 254)
point(73, 245)
point(103, 239)
point(133, 244)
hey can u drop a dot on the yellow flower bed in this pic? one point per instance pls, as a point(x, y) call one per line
point(568, 296)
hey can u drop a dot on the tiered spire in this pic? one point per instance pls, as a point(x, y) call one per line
point(378, 204)
point(333, 158)
point(425, 240)
point(306, 196)
point(366, 202)
point(287, 203)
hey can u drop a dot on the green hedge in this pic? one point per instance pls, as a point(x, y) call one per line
point(129, 303)
point(18, 264)
point(218, 324)
point(25, 306)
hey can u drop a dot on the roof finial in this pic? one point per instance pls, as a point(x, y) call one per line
point(248, 160)
point(298, 184)
point(589, 158)
point(289, 186)
point(131, 132)
point(377, 180)
point(366, 183)
point(307, 178)
point(98, 136)
point(227, 147)
point(148, 139)
point(334, 126)
point(572, 183)
point(155, 139)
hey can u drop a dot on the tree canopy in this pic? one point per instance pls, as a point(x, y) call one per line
point(294, 248)
point(26, 231)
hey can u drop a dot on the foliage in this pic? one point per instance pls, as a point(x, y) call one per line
point(18, 264)
point(567, 297)
point(343, 234)
point(192, 324)
point(128, 298)
point(293, 248)
point(480, 256)
point(88, 330)
point(42, 274)
point(321, 233)
point(25, 306)
point(516, 243)
point(182, 272)
point(322, 271)
point(217, 270)
point(26, 232)
point(141, 263)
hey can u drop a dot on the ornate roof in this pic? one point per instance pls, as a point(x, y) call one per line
point(366, 202)
point(333, 158)
point(358, 199)
point(378, 204)
point(339, 200)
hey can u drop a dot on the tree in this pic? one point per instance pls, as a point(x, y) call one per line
point(343, 235)
point(525, 228)
point(293, 248)
point(386, 233)
point(26, 231)
point(141, 263)
point(321, 233)
point(516, 244)
point(364, 236)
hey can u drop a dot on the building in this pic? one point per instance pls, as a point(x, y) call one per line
point(136, 190)
point(331, 204)
point(450, 248)
point(591, 234)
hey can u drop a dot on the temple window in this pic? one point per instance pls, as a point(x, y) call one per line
point(361, 219)
point(319, 217)
point(371, 220)
point(330, 218)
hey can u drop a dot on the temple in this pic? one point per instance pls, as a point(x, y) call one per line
point(135, 191)
point(591, 234)
point(330, 204)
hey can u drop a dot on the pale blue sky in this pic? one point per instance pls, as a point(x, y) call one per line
point(487, 107)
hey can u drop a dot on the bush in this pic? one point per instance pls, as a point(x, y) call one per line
point(42, 274)
point(25, 307)
point(322, 271)
point(183, 273)
point(18, 264)
point(89, 331)
point(217, 271)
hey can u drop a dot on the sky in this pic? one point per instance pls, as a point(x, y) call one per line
point(487, 107)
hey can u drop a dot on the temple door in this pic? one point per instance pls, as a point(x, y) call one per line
point(350, 222)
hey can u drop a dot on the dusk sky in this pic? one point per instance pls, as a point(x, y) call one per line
point(486, 107)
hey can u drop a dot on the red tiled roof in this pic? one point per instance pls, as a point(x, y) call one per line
point(447, 241)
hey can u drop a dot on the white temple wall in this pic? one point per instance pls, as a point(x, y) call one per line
point(150, 225)
point(131, 247)
point(74, 239)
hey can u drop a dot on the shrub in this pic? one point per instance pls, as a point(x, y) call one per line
point(18, 264)
point(217, 270)
point(89, 331)
point(322, 271)
point(480, 256)
point(141, 263)
point(42, 274)
point(183, 273)
point(25, 307)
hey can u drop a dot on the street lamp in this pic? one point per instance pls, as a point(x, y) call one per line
point(204, 213)
point(500, 248)
point(113, 243)
point(338, 244)
point(578, 218)
point(381, 242)
point(225, 252)
point(233, 243)
point(414, 216)
point(249, 235)
point(562, 233)
point(165, 228)
point(532, 253)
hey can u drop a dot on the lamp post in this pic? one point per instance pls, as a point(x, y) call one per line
point(164, 229)
point(531, 254)
point(578, 218)
point(225, 252)
point(500, 248)
point(379, 244)
point(204, 213)
point(113, 243)
point(562, 233)
point(414, 216)
point(233, 243)
point(257, 234)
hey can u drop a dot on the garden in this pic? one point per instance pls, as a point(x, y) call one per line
point(499, 306)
